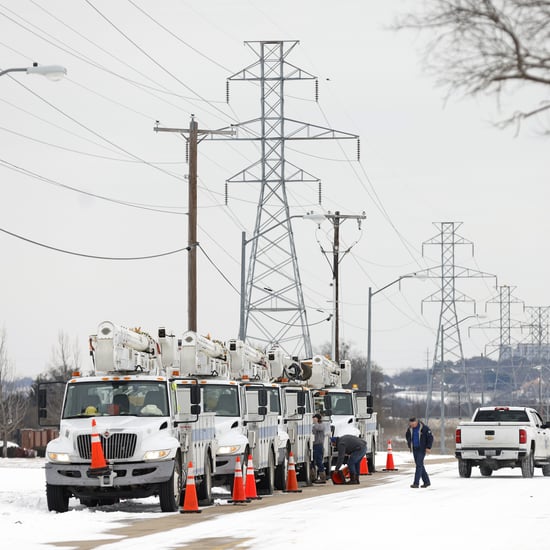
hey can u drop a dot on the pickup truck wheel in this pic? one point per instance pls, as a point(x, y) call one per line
point(464, 468)
point(204, 493)
point(546, 470)
point(57, 497)
point(170, 491)
point(528, 465)
point(486, 471)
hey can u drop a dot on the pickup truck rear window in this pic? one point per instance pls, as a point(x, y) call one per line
point(500, 415)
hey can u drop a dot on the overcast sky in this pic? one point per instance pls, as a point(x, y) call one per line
point(426, 160)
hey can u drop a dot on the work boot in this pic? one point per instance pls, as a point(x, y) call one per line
point(321, 479)
point(354, 479)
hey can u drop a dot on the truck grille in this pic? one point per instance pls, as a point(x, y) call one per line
point(115, 446)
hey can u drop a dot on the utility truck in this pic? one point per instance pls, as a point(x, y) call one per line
point(149, 426)
point(349, 411)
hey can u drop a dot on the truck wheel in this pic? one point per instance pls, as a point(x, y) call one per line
point(281, 473)
point(204, 492)
point(57, 497)
point(371, 462)
point(464, 468)
point(528, 466)
point(89, 502)
point(267, 483)
point(486, 471)
point(546, 470)
point(170, 491)
point(305, 472)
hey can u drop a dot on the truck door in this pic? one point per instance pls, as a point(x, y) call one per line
point(542, 450)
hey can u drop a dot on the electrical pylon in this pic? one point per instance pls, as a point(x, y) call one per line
point(505, 324)
point(274, 311)
point(448, 344)
point(538, 333)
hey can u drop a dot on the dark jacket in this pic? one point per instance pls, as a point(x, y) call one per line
point(426, 437)
point(346, 444)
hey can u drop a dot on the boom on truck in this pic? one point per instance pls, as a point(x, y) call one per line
point(148, 431)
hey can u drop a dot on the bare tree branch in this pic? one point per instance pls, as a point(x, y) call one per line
point(487, 46)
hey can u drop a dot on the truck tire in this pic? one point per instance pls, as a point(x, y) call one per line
point(204, 490)
point(266, 485)
point(528, 465)
point(57, 497)
point(486, 471)
point(170, 491)
point(305, 472)
point(371, 462)
point(464, 468)
point(546, 470)
point(281, 472)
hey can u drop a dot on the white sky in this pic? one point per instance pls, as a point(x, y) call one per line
point(427, 162)
point(507, 501)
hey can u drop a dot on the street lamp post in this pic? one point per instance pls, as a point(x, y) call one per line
point(369, 322)
point(52, 72)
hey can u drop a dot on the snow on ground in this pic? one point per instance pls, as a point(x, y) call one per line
point(502, 511)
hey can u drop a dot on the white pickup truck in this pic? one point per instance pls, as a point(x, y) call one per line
point(503, 437)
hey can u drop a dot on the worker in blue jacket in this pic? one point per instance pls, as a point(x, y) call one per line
point(419, 440)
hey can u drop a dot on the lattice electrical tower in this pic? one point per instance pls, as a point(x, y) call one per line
point(538, 348)
point(274, 311)
point(448, 345)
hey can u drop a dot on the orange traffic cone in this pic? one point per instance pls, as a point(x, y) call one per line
point(250, 482)
point(291, 479)
point(98, 467)
point(390, 467)
point(238, 496)
point(364, 467)
point(190, 502)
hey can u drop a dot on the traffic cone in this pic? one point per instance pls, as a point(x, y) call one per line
point(291, 479)
point(98, 467)
point(390, 467)
point(364, 467)
point(190, 502)
point(250, 482)
point(238, 496)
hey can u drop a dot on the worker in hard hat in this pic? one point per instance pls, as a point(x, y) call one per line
point(355, 449)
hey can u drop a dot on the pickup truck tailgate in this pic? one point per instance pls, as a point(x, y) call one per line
point(491, 434)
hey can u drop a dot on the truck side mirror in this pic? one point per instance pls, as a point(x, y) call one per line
point(301, 410)
point(328, 405)
point(370, 404)
point(262, 410)
point(262, 401)
point(301, 398)
point(195, 396)
point(195, 409)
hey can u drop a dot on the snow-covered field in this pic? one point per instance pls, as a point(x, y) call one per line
point(504, 511)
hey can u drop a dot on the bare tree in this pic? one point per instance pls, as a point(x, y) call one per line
point(13, 400)
point(489, 46)
point(65, 358)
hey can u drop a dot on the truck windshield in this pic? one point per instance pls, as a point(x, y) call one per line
point(116, 398)
point(501, 415)
point(221, 399)
point(341, 403)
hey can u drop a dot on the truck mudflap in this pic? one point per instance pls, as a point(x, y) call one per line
point(122, 474)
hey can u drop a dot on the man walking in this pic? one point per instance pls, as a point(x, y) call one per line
point(420, 440)
point(353, 447)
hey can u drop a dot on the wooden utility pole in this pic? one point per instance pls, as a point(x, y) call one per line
point(192, 138)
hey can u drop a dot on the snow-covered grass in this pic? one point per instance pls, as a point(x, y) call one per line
point(504, 511)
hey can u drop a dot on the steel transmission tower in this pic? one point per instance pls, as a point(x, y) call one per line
point(505, 324)
point(274, 311)
point(448, 345)
point(538, 333)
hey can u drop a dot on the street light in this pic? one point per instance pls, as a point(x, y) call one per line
point(312, 216)
point(369, 322)
point(52, 72)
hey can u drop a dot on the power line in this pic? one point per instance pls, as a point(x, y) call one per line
point(91, 256)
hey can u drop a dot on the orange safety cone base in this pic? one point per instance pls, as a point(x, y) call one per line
point(292, 490)
point(190, 501)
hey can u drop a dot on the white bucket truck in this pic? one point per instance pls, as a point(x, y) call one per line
point(147, 434)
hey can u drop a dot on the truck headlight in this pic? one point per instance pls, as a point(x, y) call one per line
point(229, 449)
point(59, 457)
point(156, 455)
